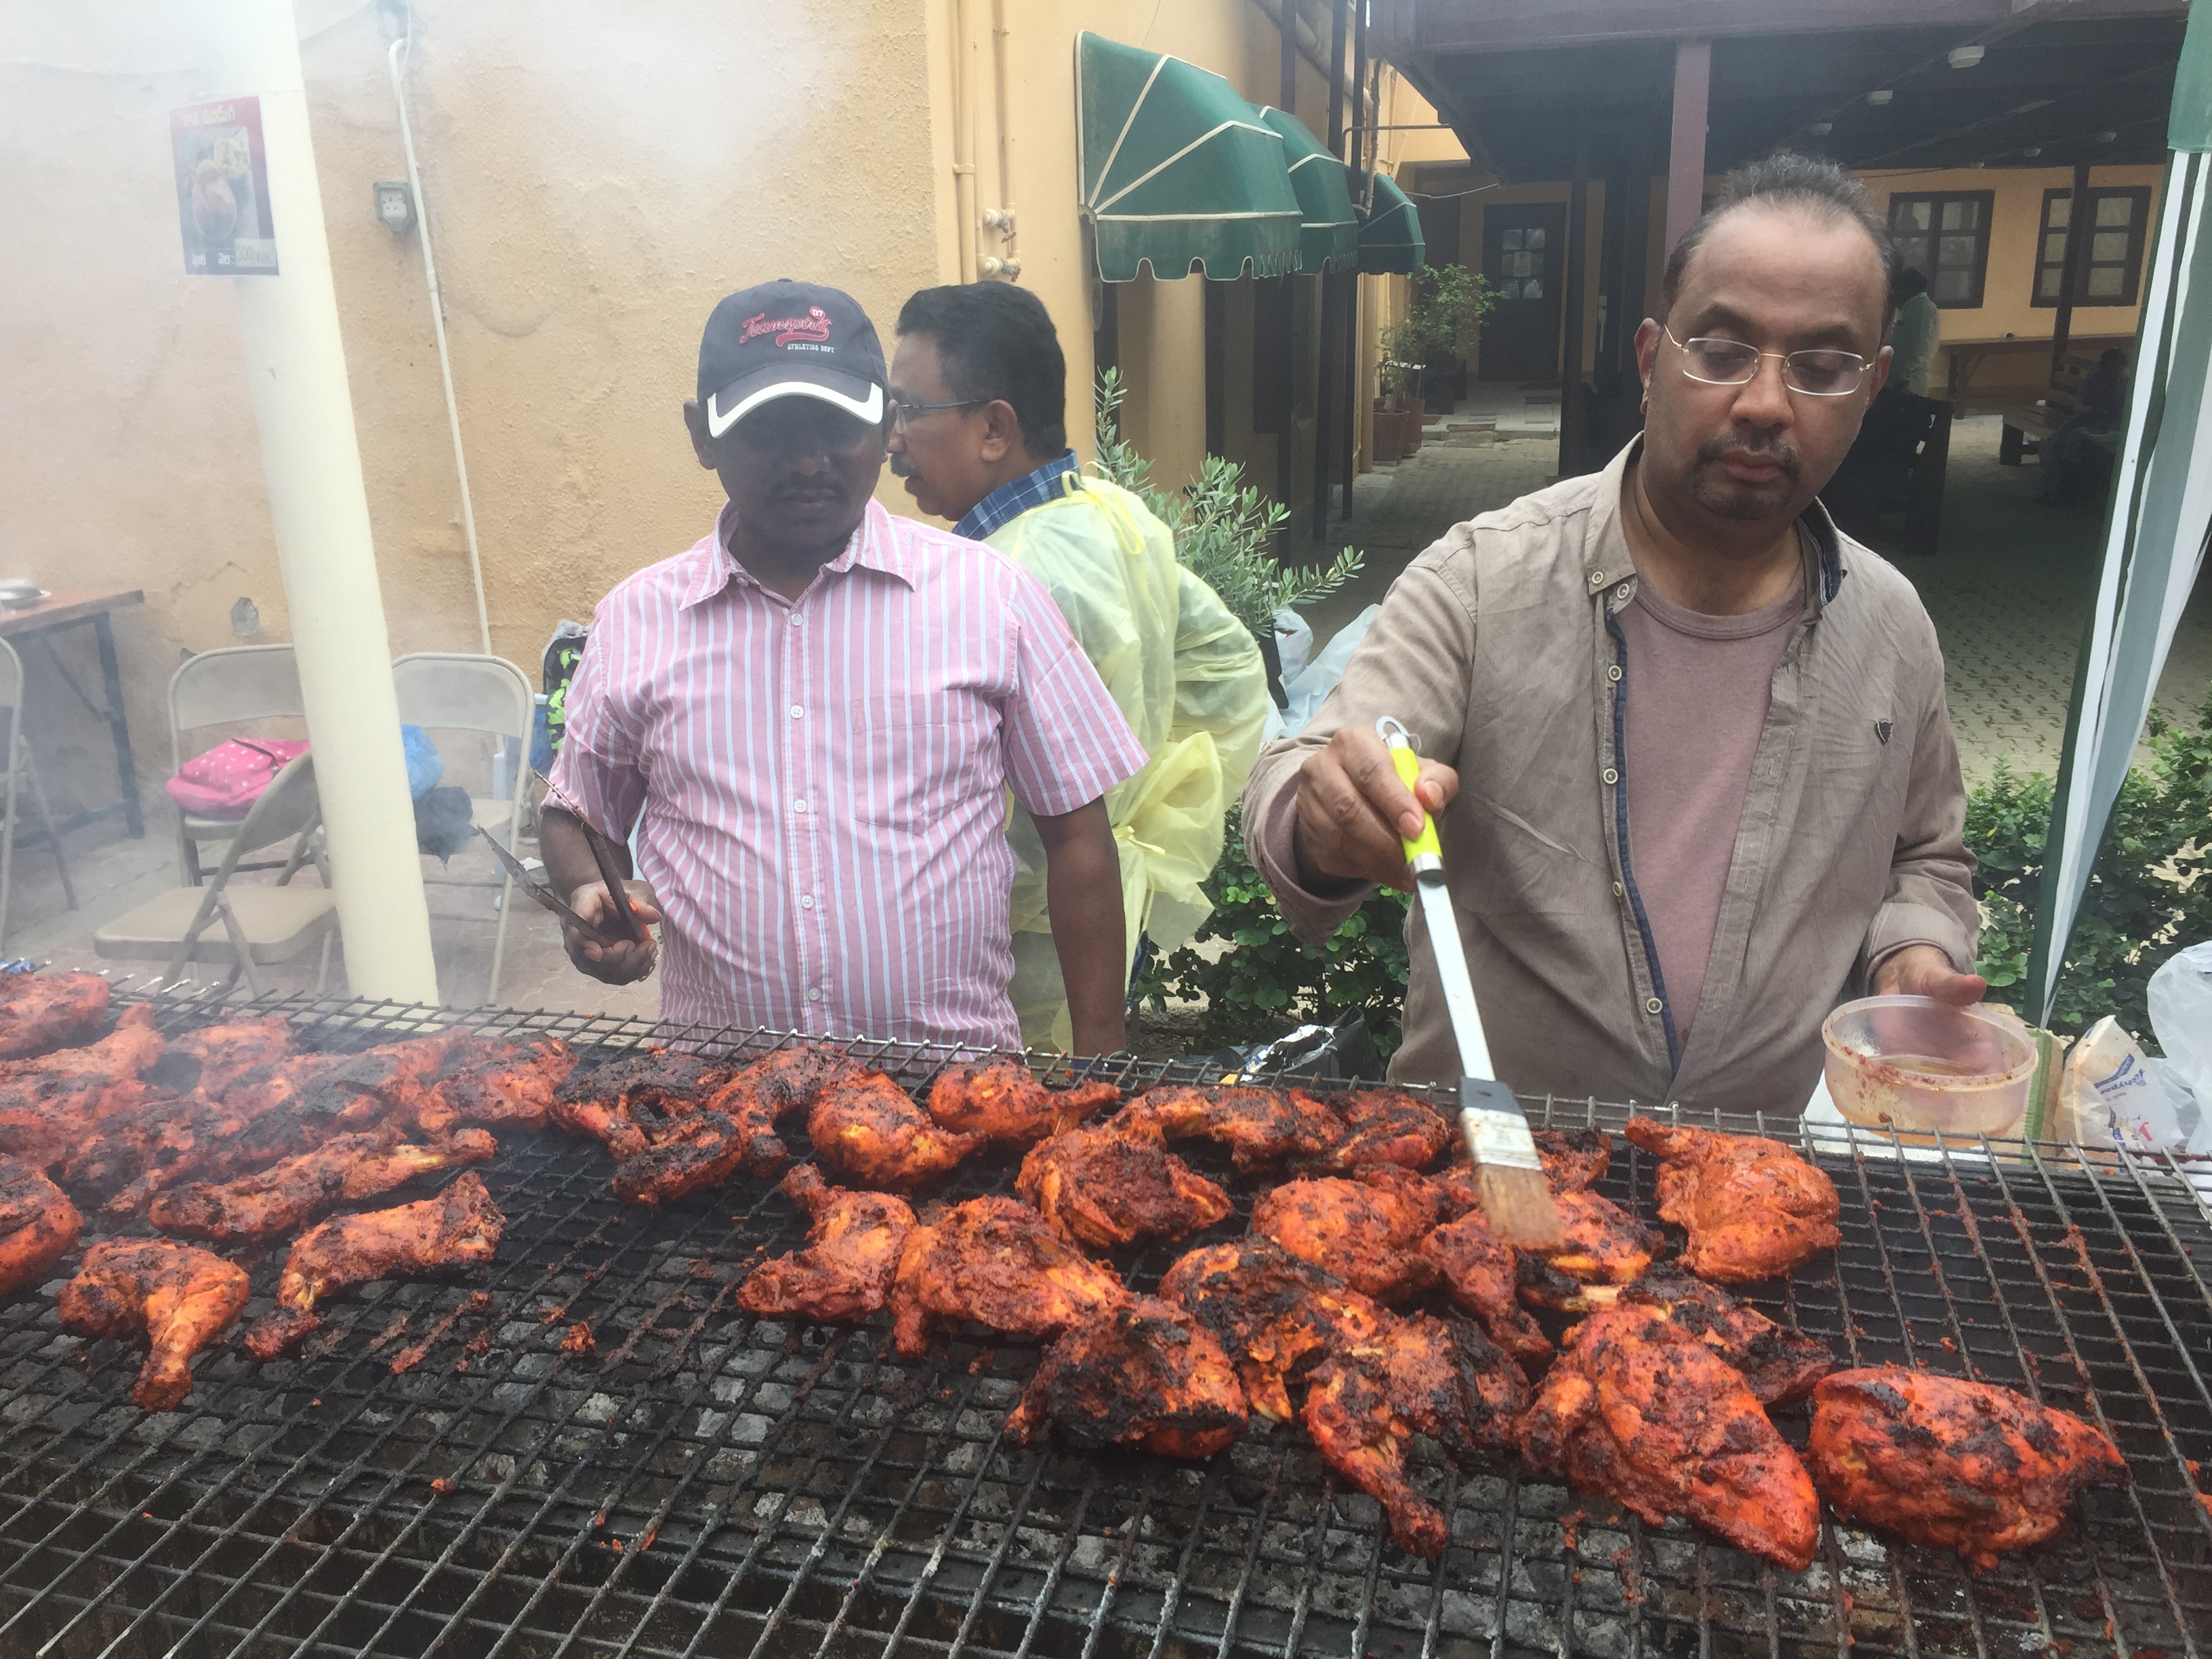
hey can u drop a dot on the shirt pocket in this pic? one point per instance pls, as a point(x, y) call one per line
point(922, 755)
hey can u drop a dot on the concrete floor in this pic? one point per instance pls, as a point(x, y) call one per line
point(2008, 590)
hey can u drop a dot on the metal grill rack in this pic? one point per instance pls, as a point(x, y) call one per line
point(707, 1483)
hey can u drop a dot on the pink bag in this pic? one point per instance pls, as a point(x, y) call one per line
point(226, 782)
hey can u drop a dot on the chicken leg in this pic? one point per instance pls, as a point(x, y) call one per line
point(182, 1296)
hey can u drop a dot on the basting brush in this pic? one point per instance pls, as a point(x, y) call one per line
point(1509, 1177)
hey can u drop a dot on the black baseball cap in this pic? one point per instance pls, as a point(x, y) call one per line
point(785, 339)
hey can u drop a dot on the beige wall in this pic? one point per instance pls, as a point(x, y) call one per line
point(598, 177)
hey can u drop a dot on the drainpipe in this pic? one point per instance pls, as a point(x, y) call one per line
point(964, 140)
point(295, 365)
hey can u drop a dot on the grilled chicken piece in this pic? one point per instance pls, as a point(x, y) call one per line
point(1383, 1125)
point(1753, 1208)
point(1478, 1272)
point(996, 1262)
point(1113, 1185)
point(295, 1190)
point(1641, 1410)
point(1261, 1127)
point(498, 1084)
point(1141, 1373)
point(49, 1106)
point(394, 1085)
point(606, 1102)
point(228, 1052)
point(38, 1011)
point(868, 1130)
point(1603, 1247)
point(697, 1150)
point(461, 1225)
point(182, 1296)
point(165, 1142)
point(853, 1246)
point(1962, 1466)
point(761, 1095)
point(1275, 1315)
point(1368, 1232)
point(1573, 1158)
point(1777, 1363)
point(1004, 1101)
point(1448, 1381)
point(38, 1225)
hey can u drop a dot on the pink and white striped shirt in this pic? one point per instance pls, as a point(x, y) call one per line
point(819, 785)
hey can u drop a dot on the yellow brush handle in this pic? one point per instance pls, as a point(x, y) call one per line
point(1407, 765)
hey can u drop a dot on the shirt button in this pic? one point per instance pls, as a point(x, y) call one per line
point(807, 900)
point(1619, 892)
point(797, 713)
point(1654, 1007)
point(1612, 776)
point(1621, 592)
point(801, 805)
point(814, 993)
point(1597, 579)
point(797, 617)
point(1614, 672)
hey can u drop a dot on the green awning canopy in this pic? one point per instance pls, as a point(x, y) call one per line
point(1390, 240)
point(1177, 170)
point(1328, 239)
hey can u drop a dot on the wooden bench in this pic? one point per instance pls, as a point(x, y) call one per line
point(2028, 423)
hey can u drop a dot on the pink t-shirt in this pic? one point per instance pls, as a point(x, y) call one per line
point(1697, 689)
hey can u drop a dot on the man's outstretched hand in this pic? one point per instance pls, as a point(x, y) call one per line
point(1923, 971)
point(621, 963)
point(1353, 814)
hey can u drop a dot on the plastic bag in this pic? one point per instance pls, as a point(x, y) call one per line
point(2110, 1093)
point(1293, 643)
point(1319, 678)
point(2180, 997)
point(425, 765)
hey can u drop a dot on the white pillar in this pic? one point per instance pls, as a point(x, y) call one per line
point(296, 364)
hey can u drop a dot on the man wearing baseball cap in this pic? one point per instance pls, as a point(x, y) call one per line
point(811, 719)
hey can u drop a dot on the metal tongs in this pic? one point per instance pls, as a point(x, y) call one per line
point(542, 892)
point(631, 931)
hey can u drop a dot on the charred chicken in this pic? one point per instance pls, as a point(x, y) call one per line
point(998, 1262)
point(1753, 1208)
point(852, 1247)
point(1777, 1363)
point(295, 1190)
point(1111, 1186)
point(1261, 1127)
point(1003, 1102)
point(182, 1296)
point(1478, 1271)
point(1141, 1372)
point(1368, 1232)
point(38, 1011)
point(867, 1129)
point(38, 1226)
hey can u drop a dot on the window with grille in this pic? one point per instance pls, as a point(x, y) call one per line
point(1521, 274)
point(1946, 238)
point(2112, 256)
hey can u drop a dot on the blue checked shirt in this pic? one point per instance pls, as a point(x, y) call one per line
point(1010, 500)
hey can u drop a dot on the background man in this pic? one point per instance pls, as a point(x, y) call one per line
point(1707, 776)
point(980, 378)
point(813, 717)
point(1914, 336)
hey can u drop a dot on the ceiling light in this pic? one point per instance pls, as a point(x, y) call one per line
point(1964, 57)
point(2032, 151)
point(1878, 99)
point(1821, 129)
point(2106, 137)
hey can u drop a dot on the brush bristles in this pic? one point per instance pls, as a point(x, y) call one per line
point(1517, 1205)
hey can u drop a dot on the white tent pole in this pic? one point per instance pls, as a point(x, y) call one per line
point(296, 361)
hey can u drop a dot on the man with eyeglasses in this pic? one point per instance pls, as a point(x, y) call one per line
point(979, 391)
point(1699, 776)
point(812, 720)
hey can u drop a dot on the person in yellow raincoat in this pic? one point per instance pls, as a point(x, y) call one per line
point(978, 401)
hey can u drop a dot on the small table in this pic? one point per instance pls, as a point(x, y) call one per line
point(1966, 355)
point(75, 607)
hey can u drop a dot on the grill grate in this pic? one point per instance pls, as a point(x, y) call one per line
point(707, 1482)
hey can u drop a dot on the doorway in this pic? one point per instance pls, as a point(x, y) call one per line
point(1523, 259)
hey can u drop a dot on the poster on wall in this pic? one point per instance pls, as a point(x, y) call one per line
point(222, 188)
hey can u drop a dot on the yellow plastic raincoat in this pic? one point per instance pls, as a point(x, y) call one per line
point(1188, 679)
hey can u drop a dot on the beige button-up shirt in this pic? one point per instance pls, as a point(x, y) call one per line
point(1498, 649)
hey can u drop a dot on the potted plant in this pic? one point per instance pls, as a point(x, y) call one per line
point(1444, 308)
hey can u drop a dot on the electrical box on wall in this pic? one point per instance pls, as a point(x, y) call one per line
point(395, 205)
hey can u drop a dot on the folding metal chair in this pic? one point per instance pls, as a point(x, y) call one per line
point(245, 925)
point(225, 688)
point(20, 768)
point(449, 691)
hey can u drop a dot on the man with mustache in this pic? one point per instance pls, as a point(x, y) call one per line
point(1700, 778)
point(812, 720)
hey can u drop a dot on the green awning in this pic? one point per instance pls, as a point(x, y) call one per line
point(1390, 240)
point(1328, 239)
point(1177, 170)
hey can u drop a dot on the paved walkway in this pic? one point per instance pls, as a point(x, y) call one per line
point(2008, 589)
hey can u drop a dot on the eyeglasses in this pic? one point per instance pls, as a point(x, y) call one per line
point(901, 413)
point(1731, 363)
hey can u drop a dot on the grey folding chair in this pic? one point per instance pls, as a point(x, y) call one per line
point(245, 925)
point(20, 770)
point(225, 688)
point(448, 691)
